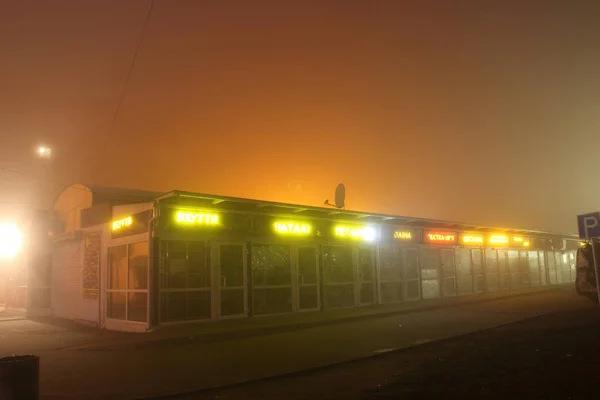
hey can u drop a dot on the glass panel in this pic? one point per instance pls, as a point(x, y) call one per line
point(513, 267)
point(411, 258)
point(389, 264)
point(173, 306)
point(523, 269)
point(309, 297)
point(115, 305)
point(559, 266)
point(307, 265)
point(491, 261)
point(138, 266)
point(365, 264)
point(431, 289)
point(337, 264)
point(463, 262)
point(465, 284)
point(137, 307)
point(339, 295)
point(232, 265)
point(391, 292)
point(447, 260)
point(534, 268)
point(175, 274)
point(199, 304)
point(477, 257)
point(117, 270)
point(367, 293)
point(198, 268)
point(503, 272)
point(429, 274)
point(551, 268)
point(272, 300)
point(412, 290)
point(271, 265)
point(449, 287)
point(429, 259)
point(491, 269)
point(480, 283)
point(232, 302)
point(542, 266)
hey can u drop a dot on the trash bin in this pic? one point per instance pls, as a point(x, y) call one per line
point(19, 378)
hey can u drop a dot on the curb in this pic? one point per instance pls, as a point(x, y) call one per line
point(270, 330)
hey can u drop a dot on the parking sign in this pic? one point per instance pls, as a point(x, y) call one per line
point(589, 225)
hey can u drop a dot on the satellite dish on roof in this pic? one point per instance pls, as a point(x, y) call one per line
point(340, 197)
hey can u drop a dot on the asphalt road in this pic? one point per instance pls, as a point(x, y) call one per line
point(135, 373)
point(552, 356)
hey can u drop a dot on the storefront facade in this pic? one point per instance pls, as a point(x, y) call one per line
point(199, 258)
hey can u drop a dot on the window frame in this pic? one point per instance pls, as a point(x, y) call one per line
point(127, 289)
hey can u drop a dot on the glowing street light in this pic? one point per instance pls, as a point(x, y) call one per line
point(11, 240)
point(44, 151)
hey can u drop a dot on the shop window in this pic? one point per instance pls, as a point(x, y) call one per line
point(185, 281)
point(127, 285)
point(271, 279)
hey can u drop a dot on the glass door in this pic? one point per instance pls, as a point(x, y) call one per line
point(543, 270)
point(503, 270)
point(308, 279)
point(448, 272)
point(491, 270)
point(366, 275)
point(231, 267)
point(338, 276)
point(430, 273)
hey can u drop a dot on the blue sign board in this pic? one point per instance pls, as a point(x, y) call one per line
point(589, 225)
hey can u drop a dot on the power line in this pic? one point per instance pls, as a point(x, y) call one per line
point(124, 90)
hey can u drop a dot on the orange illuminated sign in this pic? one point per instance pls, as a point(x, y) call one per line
point(440, 237)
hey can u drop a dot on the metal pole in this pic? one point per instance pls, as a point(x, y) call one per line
point(596, 268)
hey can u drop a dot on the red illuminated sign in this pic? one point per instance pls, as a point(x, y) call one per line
point(440, 237)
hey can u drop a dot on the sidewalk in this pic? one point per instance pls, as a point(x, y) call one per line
point(216, 331)
point(47, 334)
point(10, 315)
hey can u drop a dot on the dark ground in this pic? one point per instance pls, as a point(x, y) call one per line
point(556, 356)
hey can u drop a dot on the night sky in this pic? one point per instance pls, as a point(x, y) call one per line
point(476, 111)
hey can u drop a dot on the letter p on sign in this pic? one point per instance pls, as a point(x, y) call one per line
point(589, 225)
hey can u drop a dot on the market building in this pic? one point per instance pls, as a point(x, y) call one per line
point(136, 261)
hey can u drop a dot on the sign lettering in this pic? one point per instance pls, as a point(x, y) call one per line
point(438, 237)
point(403, 235)
point(122, 223)
point(360, 233)
point(190, 218)
point(472, 239)
point(589, 225)
point(292, 228)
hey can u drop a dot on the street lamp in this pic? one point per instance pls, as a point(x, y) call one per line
point(11, 240)
point(44, 151)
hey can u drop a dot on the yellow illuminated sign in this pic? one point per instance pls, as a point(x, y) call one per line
point(403, 235)
point(498, 239)
point(292, 228)
point(520, 241)
point(190, 218)
point(122, 223)
point(361, 233)
point(472, 239)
